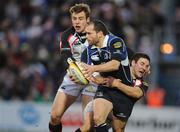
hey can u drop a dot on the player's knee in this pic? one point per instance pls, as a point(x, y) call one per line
point(98, 119)
point(55, 118)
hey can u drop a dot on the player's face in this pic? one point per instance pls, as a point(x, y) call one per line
point(79, 21)
point(141, 67)
point(91, 35)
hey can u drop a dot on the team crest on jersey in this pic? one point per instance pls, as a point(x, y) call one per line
point(117, 45)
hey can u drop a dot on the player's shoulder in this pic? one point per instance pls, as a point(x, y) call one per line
point(116, 41)
point(67, 32)
point(145, 83)
point(114, 37)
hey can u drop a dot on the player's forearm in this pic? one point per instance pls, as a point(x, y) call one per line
point(134, 92)
point(107, 67)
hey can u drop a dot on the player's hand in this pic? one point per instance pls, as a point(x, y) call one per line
point(73, 78)
point(112, 82)
point(98, 80)
point(87, 70)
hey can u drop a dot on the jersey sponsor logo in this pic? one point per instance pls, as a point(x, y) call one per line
point(95, 57)
point(117, 45)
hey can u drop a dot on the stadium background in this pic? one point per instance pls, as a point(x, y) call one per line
point(30, 66)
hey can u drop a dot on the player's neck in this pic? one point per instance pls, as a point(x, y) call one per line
point(101, 41)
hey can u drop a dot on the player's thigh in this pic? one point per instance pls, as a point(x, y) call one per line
point(118, 124)
point(101, 108)
point(88, 94)
point(61, 102)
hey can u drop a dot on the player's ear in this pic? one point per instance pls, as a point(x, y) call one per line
point(132, 62)
point(88, 20)
point(149, 70)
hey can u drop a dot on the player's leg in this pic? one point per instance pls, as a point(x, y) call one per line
point(61, 102)
point(101, 109)
point(88, 118)
point(88, 94)
point(87, 97)
point(118, 124)
point(66, 95)
point(87, 123)
point(85, 100)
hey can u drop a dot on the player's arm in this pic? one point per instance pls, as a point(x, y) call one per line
point(107, 67)
point(88, 70)
point(65, 50)
point(135, 92)
point(98, 79)
point(118, 55)
point(118, 51)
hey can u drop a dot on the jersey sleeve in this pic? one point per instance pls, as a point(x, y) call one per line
point(118, 49)
point(65, 50)
point(63, 41)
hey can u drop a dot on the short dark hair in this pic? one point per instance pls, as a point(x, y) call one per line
point(139, 55)
point(99, 26)
point(77, 8)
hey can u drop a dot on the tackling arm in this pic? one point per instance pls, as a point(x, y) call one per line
point(135, 92)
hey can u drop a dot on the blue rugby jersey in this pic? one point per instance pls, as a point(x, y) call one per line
point(113, 48)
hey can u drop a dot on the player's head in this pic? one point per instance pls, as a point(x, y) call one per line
point(95, 31)
point(80, 16)
point(140, 63)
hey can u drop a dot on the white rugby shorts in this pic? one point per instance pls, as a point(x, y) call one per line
point(71, 88)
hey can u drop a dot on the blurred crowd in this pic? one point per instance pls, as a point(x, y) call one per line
point(30, 66)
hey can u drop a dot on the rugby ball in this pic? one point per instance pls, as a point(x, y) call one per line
point(75, 70)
